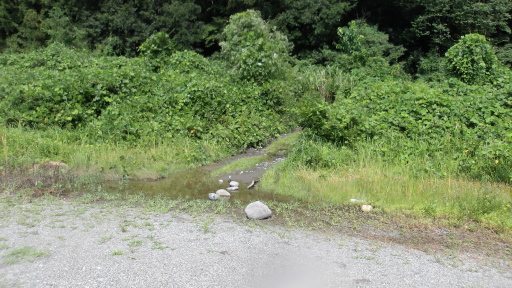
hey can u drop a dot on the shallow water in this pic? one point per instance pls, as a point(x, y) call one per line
point(195, 184)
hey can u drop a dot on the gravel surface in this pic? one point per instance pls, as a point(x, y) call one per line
point(94, 245)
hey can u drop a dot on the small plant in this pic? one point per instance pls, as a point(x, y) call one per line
point(106, 238)
point(3, 243)
point(117, 253)
point(135, 243)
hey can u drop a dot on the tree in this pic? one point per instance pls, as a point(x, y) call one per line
point(310, 24)
point(256, 51)
point(362, 41)
point(444, 21)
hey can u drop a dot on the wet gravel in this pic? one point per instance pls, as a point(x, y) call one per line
point(95, 245)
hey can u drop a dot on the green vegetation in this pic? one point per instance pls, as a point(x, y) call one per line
point(117, 253)
point(278, 148)
point(25, 253)
point(472, 60)
point(144, 89)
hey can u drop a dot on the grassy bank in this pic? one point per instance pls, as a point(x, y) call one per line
point(22, 148)
point(320, 172)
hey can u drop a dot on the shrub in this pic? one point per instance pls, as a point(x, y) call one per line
point(470, 119)
point(362, 41)
point(472, 60)
point(157, 49)
point(254, 50)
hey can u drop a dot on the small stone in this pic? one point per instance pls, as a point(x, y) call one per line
point(257, 210)
point(366, 208)
point(223, 193)
point(221, 181)
point(232, 189)
point(213, 196)
point(234, 184)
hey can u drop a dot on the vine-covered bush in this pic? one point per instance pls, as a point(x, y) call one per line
point(360, 42)
point(473, 60)
point(253, 49)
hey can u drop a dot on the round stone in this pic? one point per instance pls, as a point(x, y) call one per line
point(257, 210)
point(223, 193)
point(366, 208)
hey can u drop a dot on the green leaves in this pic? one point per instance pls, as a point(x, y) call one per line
point(362, 41)
point(121, 99)
point(470, 120)
point(255, 51)
point(473, 60)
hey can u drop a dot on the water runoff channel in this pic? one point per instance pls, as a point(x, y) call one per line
point(197, 183)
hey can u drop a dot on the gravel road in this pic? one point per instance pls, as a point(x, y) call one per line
point(96, 245)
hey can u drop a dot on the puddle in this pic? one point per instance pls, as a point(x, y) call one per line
point(195, 184)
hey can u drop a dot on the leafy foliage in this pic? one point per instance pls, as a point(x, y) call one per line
point(361, 43)
point(122, 99)
point(157, 49)
point(442, 21)
point(473, 60)
point(310, 23)
point(470, 119)
point(256, 51)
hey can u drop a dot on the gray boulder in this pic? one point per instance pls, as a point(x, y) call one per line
point(257, 210)
point(213, 196)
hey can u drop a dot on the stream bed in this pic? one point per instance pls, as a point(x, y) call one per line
point(197, 183)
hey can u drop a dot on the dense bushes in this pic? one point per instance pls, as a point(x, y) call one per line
point(124, 99)
point(462, 121)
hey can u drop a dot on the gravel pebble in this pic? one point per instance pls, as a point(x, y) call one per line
point(176, 250)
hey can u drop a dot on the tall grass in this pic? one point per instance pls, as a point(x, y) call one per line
point(421, 184)
point(144, 159)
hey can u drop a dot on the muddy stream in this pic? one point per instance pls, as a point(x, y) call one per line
point(197, 183)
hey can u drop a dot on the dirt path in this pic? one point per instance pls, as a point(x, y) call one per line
point(99, 245)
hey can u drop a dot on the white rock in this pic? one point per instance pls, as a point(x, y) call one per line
point(234, 184)
point(232, 189)
point(367, 208)
point(221, 181)
point(257, 210)
point(223, 193)
point(213, 196)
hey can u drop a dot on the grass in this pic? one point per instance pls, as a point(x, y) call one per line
point(3, 244)
point(23, 147)
point(241, 164)
point(278, 148)
point(117, 253)
point(410, 203)
point(407, 188)
point(25, 253)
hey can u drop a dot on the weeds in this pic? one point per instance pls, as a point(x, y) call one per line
point(106, 238)
point(117, 253)
point(26, 253)
point(407, 188)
